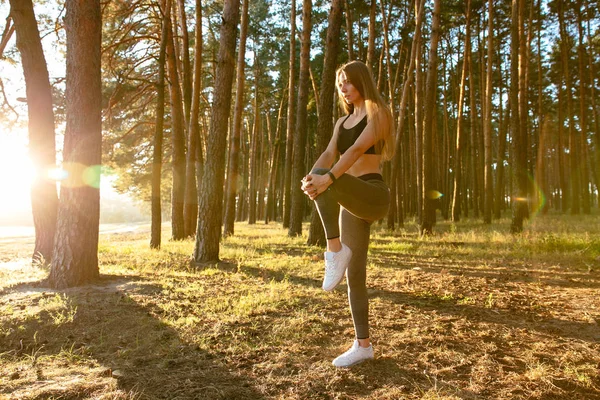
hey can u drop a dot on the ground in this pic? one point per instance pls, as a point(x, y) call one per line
point(469, 313)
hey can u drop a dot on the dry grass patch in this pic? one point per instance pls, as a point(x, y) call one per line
point(471, 313)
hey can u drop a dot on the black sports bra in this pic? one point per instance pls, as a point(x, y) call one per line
point(347, 137)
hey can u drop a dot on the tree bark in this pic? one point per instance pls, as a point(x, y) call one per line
point(185, 62)
point(178, 161)
point(397, 161)
point(42, 144)
point(460, 134)
point(316, 235)
point(156, 225)
point(428, 194)
point(573, 142)
point(519, 165)
point(291, 117)
point(299, 168)
point(75, 256)
point(255, 149)
point(583, 118)
point(233, 166)
point(371, 45)
point(194, 158)
point(211, 189)
point(349, 30)
point(487, 123)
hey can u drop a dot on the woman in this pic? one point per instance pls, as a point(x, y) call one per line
point(363, 139)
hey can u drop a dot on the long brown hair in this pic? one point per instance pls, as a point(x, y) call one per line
point(378, 112)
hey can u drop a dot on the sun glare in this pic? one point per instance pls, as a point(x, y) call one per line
point(16, 174)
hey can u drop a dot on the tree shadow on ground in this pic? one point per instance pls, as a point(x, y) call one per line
point(124, 339)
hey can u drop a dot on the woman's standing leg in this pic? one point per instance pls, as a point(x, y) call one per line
point(356, 233)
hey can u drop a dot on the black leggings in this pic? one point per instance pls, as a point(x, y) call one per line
point(363, 200)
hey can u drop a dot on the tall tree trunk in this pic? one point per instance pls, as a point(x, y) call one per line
point(178, 161)
point(42, 144)
point(255, 149)
point(194, 157)
point(460, 134)
point(271, 213)
point(316, 235)
point(299, 169)
point(487, 123)
point(349, 29)
point(593, 96)
point(502, 131)
point(583, 110)
point(291, 117)
point(211, 190)
point(371, 45)
point(397, 161)
point(156, 231)
point(429, 198)
point(573, 142)
point(519, 165)
point(75, 256)
point(185, 62)
point(565, 199)
point(233, 166)
point(541, 168)
point(474, 136)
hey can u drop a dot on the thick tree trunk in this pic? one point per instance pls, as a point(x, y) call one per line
point(211, 189)
point(299, 168)
point(155, 230)
point(291, 117)
point(428, 195)
point(178, 162)
point(42, 144)
point(519, 165)
point(316, 235)
point(75, 256)
point(194, 158)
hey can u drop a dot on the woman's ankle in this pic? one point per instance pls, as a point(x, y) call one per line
point(334, 245)
point(364, 342)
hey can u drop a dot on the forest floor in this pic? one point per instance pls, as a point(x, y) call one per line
point(469, 313)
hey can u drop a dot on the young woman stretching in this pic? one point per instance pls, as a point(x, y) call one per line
point(363, 139)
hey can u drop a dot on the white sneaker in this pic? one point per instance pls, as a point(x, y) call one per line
point(335, 267)
point(354, 355)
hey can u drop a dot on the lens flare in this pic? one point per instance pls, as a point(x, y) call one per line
point(74, 175)
point(57, 174)
point(434, 194)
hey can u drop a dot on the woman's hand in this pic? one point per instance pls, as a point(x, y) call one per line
point(314, 184)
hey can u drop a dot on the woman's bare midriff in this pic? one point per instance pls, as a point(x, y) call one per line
point(366, 164)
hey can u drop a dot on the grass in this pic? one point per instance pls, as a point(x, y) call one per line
point(470, 313)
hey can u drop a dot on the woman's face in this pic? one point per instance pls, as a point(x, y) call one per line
point(350, 93)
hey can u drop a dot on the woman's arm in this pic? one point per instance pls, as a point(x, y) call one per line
point(322, 182)
point(327, 158)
